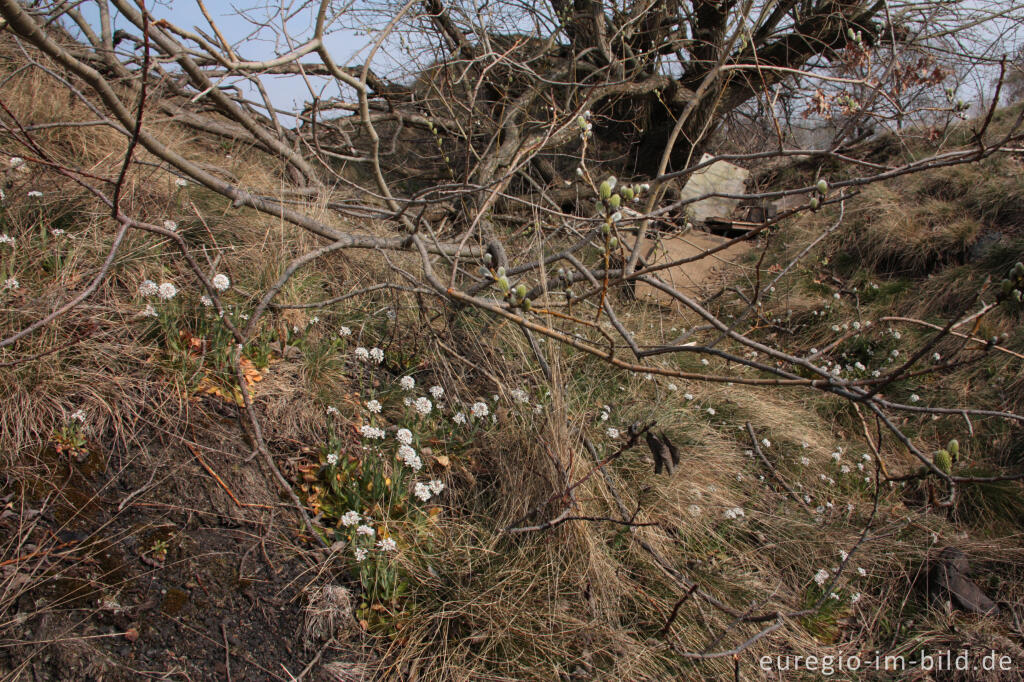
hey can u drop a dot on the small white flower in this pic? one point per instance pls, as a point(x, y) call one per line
point(410, 458)
point(672, 387)
point(519, 395)
point(844, 469)
point(765, 442)
point(365, 530)
point(35, 193)
point(350, 518)
point(149, 311)
point(436, 486)
point(734, 513)
point(387, 545)
point(361, 354)
point(148, 288)
point(17, 162)
point(859, 366)
point(377, 355)
point(344, 331)
point(332, 410)
point(437, 392)
point(704, 361)
point(12, 284)
point(914, 397)
point(404, 436)
point(855, 598)
point(895, 353)
point(422, 491)
point(805, 461)
point(423, 405)
point(711, 411)
point(6, 239)
point(694, 510)
point(479, 409)
point(834, 596)
point(57, 232)
point(206, 301)
point(373, 406)
point(836, 455)
point(181, 182)
point(371, 432)
point(406, 383)
point(688, 396)
point(460, 417)
point(167, 291)
point(936, 357)
point(821, 576)
point(612, 432)
point(896, 335)
point(79, 416)
point(332, 458)
point(171, 225)
point(861, 571)
point(360, 555)
point(221, 282)
point(603, 416)
point(843, 555)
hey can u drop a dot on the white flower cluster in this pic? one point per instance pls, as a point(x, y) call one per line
point(221, 282)
point(407, 383)
point(344, 331)
point(734, 513)
point(372, 432)
point(6, 239)
point(424, 491)
point(404, 436)
point(332, 458)
point(374, 406)
point(519, 395)
point(12, 284)
point(423, 405)
point(375, 355)
point(437, 392)
point(613, 432)
point(350, 518)
point(479, 410)
point(409, 457)
point(821, 576)
point(171, 225)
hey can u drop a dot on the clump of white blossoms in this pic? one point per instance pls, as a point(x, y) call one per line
point(365, 530)
point(765, 442)
point(377, 355)
point(387, 545)
point(221, 282)
point(479, 410)
point(407, 383)
point(332, 410)
point(149, 311)
point(734, 513)
point(410, 458)
point(148, 288)
point(35, 193)
point(360, 555)
point(423, 405)
point(519, 395)
point(613, 432)
point(821, 576)
point(423, 492)
point(332, 458)
point(350, 518)
point(181, 182)
point(460, 418)
point(404, 436)
point(437, 392)
point(344, 331)
point(373, 406)
point(167, 291)
point(436, 486)
point(361, 354)
point(371, 432)
point(6, 239)
point(79, 416)
point(171, 225)
point(12, 284)
point(711, 411)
